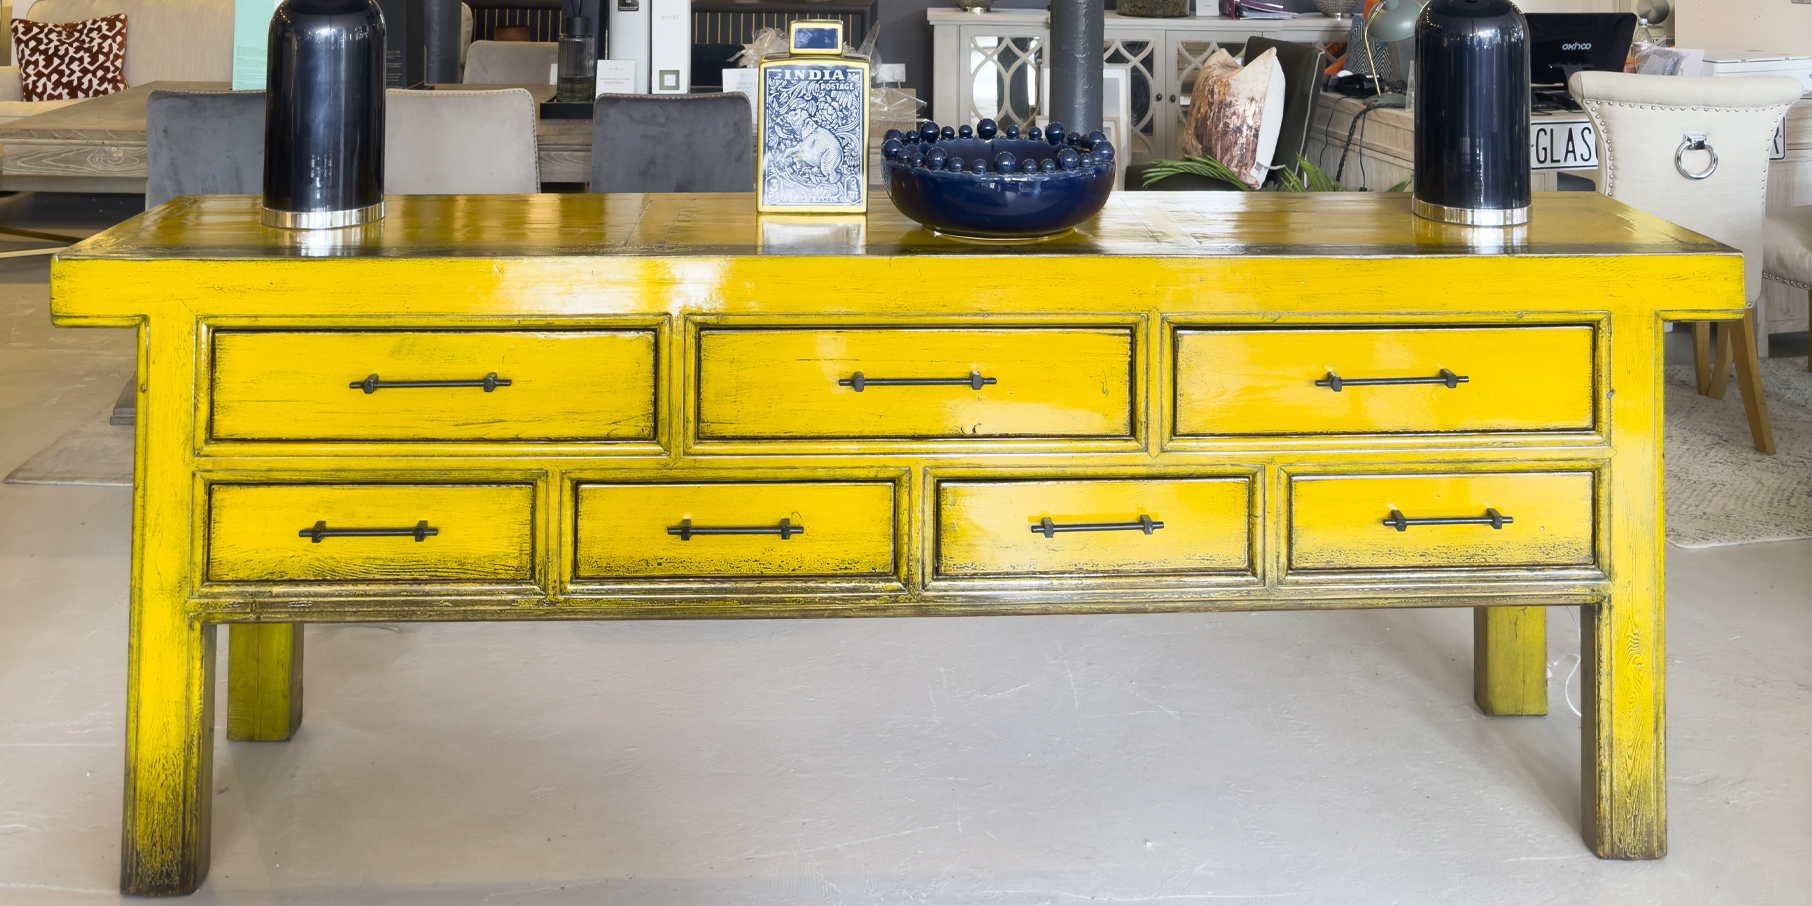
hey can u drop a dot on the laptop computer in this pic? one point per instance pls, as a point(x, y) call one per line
point(1561, 44)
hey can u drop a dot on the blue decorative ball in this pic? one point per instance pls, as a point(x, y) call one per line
point(955, 164)
point(1047, 165)
point(1005, 161)
point(894, 134)
point(1034, 134)
point(1104, 150)
point(928, 131)
point(918, 160)
point(979, 167)
point(935, 158)
point(1012, 132)
point(948, 133)
point(892, 146)
point(1068, 159)
point(1054, 133)
point(1028, 166)
point(986, 129)
point(912, 138)
point(965, 132)
point(1093, 137)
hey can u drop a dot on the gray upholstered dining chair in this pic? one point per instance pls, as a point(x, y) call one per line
point(203, 143)
point(510, 62)
point(197, 143)
point(673, 143)
point(1695, 152)
point(460, 143)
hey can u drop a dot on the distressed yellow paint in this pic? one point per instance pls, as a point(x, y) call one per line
point(677, 269)
point(785, 383)
point(623, 530)
point(264, 681)
point(985, 527)
point(1510, 660)
point(577, 385)
point(1337, 522)
point(483, 533)
point(1264, 381)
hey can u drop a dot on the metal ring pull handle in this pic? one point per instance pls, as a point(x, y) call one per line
point(1694, 141)
point(686, 530)
point(1492, 518)
point(974, 382)
point(1446, 378)
point(320, 530)
point(371, 384)
point(1049, 529)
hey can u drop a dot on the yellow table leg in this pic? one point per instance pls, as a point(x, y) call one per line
point(169, 751)
point(264, 681)
point(1624, 759)
point(1510, 660)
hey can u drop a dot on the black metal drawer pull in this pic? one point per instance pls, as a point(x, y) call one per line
point(320, 530)
point(1492, 518)
point(974, 381)
point(1334, 381)
point(1049, 529)
point(786, 529)
point(371, 384)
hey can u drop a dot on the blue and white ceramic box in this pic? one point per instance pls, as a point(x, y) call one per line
point(812, 121)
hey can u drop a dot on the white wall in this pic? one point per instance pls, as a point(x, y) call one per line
point(1570, 6)
point(1780, 26)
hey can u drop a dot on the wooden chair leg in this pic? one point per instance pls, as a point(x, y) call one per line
point(1749, 381)
point(1701, 355)
point(1720, 369)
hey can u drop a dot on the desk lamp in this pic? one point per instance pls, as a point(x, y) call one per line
point(1472, 107)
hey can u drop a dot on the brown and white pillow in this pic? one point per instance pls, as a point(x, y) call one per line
point(61, 61)
point(1235, 114)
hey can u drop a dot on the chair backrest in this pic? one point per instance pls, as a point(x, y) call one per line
point(1302, 83)
point(673, 143)
point(1641, 122)
point(203, 143)
point(166, 40)
point(510, 62)
point(460, 143)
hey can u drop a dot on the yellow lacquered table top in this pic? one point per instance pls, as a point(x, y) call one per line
point(1134, 224)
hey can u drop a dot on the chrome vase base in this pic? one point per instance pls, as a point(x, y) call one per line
point(1479, 217)
point(320, 220)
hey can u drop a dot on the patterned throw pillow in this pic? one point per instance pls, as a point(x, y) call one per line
point(1235, 114)
point(60, 61)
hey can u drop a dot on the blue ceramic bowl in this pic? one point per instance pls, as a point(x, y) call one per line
point(998, 205)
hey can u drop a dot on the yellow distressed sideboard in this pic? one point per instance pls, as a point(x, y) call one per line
point(635, 407)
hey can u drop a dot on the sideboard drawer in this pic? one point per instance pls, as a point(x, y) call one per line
point(346, 386)
point(829, 383)
point(1318, 381)
point(331, 533)
point(720, 530)
point(1182, 525)
point(1544, 519)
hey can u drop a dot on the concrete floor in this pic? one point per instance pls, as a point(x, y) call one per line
point(1261, 758)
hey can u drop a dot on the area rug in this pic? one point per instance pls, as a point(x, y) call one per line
point(1719, 490)
point(95, 453)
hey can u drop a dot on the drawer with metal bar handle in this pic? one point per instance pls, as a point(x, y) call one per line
point(370, 532)
point(497, 386)
point(1366, 380)
point(1477, 520)
point(1108, 526)
point(754, 530)
point(954, 383)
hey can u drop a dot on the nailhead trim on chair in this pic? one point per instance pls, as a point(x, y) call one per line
point(1610, 165)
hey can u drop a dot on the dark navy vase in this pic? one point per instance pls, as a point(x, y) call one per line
point(1472, 113)
point(324, 115)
